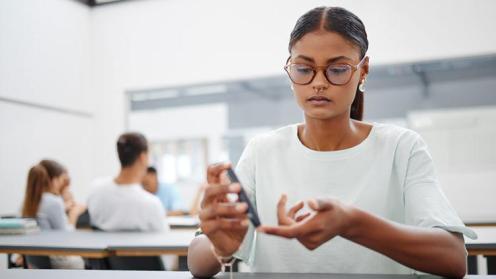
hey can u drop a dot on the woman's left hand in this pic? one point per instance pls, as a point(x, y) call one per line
point(329, 218)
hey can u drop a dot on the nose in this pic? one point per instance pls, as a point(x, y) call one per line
point(320, 82)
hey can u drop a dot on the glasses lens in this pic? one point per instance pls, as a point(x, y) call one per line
point(300, 73)
point(338, 74)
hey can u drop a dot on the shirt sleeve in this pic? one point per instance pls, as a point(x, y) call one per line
point(56, 216)
point(425, 203)
point(157, 217)
point(175, 199)
point(245, 171)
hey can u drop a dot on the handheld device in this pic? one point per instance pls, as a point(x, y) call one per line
point(252, 212)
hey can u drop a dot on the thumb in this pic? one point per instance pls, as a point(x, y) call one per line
point(320, 204)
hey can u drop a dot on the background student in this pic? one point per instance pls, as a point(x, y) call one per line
point(43, 202)
point(168, 194)
point(121, 204)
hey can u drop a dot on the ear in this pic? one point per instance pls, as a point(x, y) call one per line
point(144, 158)
point(364, 69)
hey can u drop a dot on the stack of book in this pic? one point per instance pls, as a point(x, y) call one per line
point(18, 226)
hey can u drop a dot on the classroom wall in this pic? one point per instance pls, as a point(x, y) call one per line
point(461, 142)
point(142, 44)
point(45, 101)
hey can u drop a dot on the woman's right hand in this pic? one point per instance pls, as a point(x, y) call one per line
point(225, 223)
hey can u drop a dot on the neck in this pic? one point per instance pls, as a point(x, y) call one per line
point(52, 191)
point(129, 175)
point(329, 134)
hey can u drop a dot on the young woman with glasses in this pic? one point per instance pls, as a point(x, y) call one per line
point(364, 196)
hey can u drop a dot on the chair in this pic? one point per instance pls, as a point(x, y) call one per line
point(129, 263)
point(38, 262)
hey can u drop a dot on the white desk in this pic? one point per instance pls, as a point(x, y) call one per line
point(105, 274)
point(93, 244)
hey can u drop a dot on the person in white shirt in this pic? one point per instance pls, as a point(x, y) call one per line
point(121, 204)
point(374, 204)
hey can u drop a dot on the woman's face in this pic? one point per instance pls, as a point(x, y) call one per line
point(321, 99)
point(58, 183)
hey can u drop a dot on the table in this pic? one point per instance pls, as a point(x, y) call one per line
point(485, 244)
point(93, 244)
point(98, 274)
point(175, 242)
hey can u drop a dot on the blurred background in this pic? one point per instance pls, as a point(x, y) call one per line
point(200, 78)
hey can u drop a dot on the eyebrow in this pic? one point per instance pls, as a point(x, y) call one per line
point(330, 60)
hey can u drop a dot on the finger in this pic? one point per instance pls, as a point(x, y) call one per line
point(284, 231)
point(224, 178)
point(216, 191)
point(223, 210)
point(321, 204)
point(281, 209)
point(303, 217)
point(215, 225)
point(215, 170)
point(293, 210)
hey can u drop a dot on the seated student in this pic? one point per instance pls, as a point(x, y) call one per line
point(43, 202)
point(168, 194)
point(67, 196)
point(374, 202)
point(121, 204)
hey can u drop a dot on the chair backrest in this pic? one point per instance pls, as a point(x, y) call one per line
point(132, 263)
point(38, 262)
point(83, 221)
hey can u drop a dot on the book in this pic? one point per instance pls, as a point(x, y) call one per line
point(18, 226)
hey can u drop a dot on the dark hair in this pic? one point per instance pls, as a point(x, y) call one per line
point(151, 170)
point(129, 147)
point(39, 180)
point(343, 22)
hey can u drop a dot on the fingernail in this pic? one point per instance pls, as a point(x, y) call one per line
point(244, 223)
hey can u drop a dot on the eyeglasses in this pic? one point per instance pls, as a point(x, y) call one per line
point(336, 74)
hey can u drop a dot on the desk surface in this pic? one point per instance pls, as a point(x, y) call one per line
point(102, 244)
point(485, 243)
point(98, 244)
point(104, 274)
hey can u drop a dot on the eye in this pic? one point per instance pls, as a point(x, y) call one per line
point(302, 69)
point(338, 69)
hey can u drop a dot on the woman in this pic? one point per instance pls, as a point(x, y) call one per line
point(44, 203)
point(375, 205)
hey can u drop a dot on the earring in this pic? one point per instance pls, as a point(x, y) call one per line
point(361, 87)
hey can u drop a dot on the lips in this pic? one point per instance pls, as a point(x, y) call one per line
point(319, 100)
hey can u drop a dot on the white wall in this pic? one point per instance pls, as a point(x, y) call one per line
point(461, 142)
point(44, 59)
point(142, 44)
point(195, 122)
point(44, 52)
